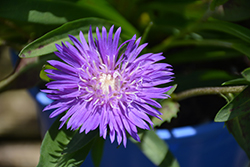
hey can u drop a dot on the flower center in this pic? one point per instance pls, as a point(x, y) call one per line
point(107, 81)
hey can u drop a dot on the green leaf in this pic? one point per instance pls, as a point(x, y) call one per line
point(240, 46)
point(238, 81)
point(156, 150)
point(43, 74)
point(59, 12)
point(227, 27)
point(102, 9)
point(97, 151)
point(246, 74)
point(46, 43)
point(76, 158)
point(169, 92)
point(80, 140)
point(240, 105)
point(55, 143)
point(216, 3)
point(202, 54)
point(176, 12)
point(239, 127)
point(201, 78)
point(169, 110)
point(233, 10)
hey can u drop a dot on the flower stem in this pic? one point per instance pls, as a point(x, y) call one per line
point(207, 91)
point(146, 31)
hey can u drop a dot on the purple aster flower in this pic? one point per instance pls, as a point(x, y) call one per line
point(101, 84)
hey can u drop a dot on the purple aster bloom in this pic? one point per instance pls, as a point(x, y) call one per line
point(101, 84)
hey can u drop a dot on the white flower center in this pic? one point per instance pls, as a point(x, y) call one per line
point(107, 81)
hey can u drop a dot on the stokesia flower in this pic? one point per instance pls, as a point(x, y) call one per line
point(101, 84)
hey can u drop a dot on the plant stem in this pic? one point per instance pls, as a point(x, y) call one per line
point(146, 31)
point(207, 91)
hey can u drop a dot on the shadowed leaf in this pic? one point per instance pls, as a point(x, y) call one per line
point(239, 127)
point(238, 81)
point(97, 151)
point(246, 74)
point(55, 143)
point(216, 3)
point(240, 105)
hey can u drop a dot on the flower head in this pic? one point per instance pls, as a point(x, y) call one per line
point(98, 85)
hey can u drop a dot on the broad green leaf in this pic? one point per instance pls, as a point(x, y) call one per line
point(26, 74)
point(57, 141)
point(240, 105)
point(156, 150)
point(216, 3)
point(246, 74)
point(46, 43)
point(97, 151)
point(53, 144)
point(169, 110)
point(239, 127)
point(75, 159)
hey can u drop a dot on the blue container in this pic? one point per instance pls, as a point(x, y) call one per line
point(206, 145)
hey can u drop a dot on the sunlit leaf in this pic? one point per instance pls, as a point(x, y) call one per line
point(169, 110)
point(170, 91)
point(43, 74)
point(46, 43)
point(156, 150)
